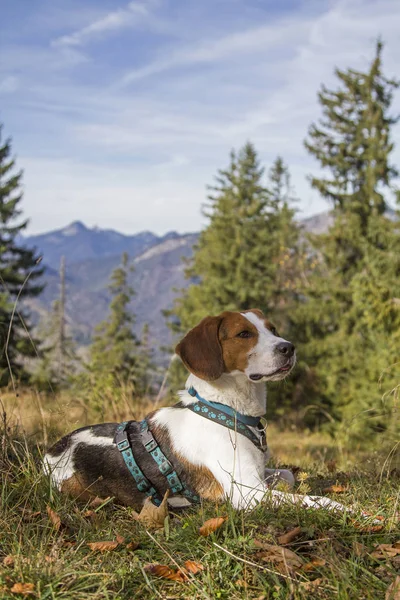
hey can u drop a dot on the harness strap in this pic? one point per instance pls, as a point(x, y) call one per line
point(165, 466)
point(122, 441)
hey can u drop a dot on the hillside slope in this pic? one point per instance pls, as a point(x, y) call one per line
point(92, 255)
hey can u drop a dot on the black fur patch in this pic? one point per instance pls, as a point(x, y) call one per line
point(103, 469)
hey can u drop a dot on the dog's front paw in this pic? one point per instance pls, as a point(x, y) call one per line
point(275, 476)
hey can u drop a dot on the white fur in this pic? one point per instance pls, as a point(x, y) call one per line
point(236, 463)
point(62, 467)
point(263, 359)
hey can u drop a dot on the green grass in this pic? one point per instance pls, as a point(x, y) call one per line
point(233, 565)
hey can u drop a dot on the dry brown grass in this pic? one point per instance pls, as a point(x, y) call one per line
point(44, 417)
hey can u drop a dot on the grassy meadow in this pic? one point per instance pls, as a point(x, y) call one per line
point(44, 537)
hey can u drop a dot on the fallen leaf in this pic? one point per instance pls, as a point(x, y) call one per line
point(193, 567)
point(8, 561)
point(367, 528)
point(23, 588)
point(289, 536)
point(97, 501)
point(132, 545)
point(313, 564)
point(103, 546)
point(335, 489)
point(393, 591)
point(283, 558)
point(152, 516)
point(119, 539)
point(309, 586)
point(166, 572)
point(386, 550)
point(91, 516)
point(54, 518)
point(211, 525)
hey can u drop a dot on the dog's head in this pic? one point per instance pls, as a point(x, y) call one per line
point(235, 342)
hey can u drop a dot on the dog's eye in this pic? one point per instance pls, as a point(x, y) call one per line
point(244, 334)
point(274, 331)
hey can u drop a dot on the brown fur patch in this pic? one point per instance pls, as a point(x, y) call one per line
point(203, 481)
point(200, 350)
point(236, 350)
point(76, 487)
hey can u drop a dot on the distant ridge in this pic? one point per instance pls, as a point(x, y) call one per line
point(77, 242)
point(92, 255)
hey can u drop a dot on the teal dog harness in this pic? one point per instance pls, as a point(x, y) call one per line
point(226, 416)
point(155, 453)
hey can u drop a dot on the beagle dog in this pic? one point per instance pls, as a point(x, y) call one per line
point(210, 445)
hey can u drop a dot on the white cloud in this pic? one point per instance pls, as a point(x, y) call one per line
point(111, 22)
point(253, 40)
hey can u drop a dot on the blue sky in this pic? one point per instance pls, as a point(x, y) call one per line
point(121, 113)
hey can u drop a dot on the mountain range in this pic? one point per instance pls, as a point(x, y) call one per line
point(92, 254)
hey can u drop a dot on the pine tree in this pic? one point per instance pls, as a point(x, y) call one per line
point(290, 250)
point(59, 359)
point(353, 143)
point(115, 345)
point(18, 273)
point(145, 369)
point(239, 256)
point(355, 260)
point(113, 374)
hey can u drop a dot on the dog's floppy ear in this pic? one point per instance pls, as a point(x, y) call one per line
point(201, 351)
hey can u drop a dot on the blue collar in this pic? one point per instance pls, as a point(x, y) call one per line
point(245, 419)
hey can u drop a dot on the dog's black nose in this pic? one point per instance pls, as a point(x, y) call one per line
point(285, 348)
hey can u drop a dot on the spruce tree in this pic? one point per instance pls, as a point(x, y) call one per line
point(146, 370)
point(356, 259)
point(115, 345)
point(113, 374)
point(59, 360)
point(353, 142)
point(18, 273)
point(290, 251)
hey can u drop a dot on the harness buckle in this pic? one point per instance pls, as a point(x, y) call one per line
point(148, 440)
point(123, 445)
point(165, 467)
